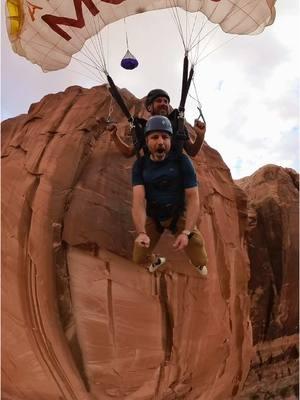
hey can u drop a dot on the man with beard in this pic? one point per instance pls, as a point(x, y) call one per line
point(165, 196)
point(158, 103)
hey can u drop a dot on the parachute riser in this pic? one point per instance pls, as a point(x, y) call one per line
point(132, 123)
point(119, 99)
point(186, 83)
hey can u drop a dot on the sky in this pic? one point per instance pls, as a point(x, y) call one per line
point(248, 88)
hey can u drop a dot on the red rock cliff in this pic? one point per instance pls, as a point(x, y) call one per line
point(79, 319)
point(273, 237)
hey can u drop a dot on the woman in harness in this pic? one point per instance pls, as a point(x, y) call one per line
point(165, 196)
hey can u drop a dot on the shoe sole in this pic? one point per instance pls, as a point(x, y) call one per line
point(204, 275)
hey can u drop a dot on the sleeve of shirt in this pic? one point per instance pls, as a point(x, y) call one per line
point(188, 172)
point(137, 173)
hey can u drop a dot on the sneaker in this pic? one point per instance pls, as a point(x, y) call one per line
point(202, 270)
point(157, 264)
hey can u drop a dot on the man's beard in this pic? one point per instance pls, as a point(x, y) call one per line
point(160, 153)
point(163, 112)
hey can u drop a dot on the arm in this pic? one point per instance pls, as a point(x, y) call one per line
point(192, 207)
point(193, 148)
point(192, 213)
point(124, 148)
point(139, 215)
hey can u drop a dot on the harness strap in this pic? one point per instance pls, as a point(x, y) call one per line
point(180, 135)
point(138, 138)
point(173, 224)
point(177, 211)
point(159, 226)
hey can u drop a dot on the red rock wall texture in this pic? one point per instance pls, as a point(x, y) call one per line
point(79, 319)
point(273, 237)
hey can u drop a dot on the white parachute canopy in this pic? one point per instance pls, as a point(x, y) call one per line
point(50, 32)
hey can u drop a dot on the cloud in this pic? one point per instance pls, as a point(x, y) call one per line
point(288, 149)
point(289, 8)
point(287, 102)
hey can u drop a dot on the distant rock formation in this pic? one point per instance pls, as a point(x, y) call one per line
point(80, 321)
point(273, 239)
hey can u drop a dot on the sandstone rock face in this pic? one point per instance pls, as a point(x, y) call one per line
point(273, 237)
point(79, 319)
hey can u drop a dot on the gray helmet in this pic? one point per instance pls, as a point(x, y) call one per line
point(158, 123)
point(154, 94)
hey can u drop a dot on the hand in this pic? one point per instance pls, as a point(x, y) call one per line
point(181, 242)
point(200, 127)
point(143, 240)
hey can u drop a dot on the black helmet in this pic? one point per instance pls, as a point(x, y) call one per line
point(158, 123)
point(154, 94)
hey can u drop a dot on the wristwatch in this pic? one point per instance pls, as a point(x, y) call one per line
point(189, 234)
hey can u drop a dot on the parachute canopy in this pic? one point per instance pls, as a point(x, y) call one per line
point(49, 32)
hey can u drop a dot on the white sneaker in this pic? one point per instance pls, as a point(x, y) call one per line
point(157, 264)
point(202, 270)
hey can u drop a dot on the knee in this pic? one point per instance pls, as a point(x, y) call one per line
point(197, 251)
point(204, 259)
point(197, 239)
point(139, 259)
point(140, 255)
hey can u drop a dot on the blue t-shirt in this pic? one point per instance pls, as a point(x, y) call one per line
point(164, 182)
